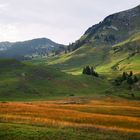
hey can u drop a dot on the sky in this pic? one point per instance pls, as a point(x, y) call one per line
point(62, 21)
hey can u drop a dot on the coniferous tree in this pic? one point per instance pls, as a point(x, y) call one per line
point(84, 70)
point(117, 82)
point(131, 74)
point(130, 81)
point(88, 71)
point(135, 80)
point(129, 78)
point(92, 71)
point(124, 76)
point(96, 74)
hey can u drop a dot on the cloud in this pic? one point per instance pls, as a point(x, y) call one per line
point(3, 6)
point(9, 32)
point(63, 21)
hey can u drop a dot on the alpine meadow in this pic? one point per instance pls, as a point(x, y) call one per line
point(87, 90)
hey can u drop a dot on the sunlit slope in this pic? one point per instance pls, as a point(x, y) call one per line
point(75, 61)
point(124, 56)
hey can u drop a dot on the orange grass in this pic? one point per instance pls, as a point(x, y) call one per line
point(108, 114)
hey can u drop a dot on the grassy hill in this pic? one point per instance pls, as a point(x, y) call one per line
point(109, 62)
point(38, 81)
point(75, 61)
point(20, 81)
point(124, 56)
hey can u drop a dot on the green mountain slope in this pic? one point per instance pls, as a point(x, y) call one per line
point(110, 46)
point(112, 30)
point(74, 62)
point(124, 56)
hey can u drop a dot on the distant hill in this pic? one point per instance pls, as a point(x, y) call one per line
point(30, 48)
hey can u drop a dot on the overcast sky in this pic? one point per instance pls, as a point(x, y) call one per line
point(62, 21)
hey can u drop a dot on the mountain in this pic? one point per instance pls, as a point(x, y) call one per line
point(112, 45)
point(112, 30)
point(30, 48)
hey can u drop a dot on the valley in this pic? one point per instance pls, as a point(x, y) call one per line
point(87, 90)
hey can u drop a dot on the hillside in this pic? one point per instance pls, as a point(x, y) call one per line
point(109, 62)
point(29, 49)
point(110, 46)
point(112, 30)
point(24, 81)
point(124, 56)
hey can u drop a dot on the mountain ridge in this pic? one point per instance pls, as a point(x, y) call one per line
point(96, 46)
point(112, 30)
point(37, 46)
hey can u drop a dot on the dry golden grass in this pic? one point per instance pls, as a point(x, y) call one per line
point(108, 114)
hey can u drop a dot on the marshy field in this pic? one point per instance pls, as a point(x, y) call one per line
point(110, 118)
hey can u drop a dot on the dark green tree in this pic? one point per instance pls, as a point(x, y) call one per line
point(84, 70)
point(92, 71)
point(96, 74)
point(88, 71)
point(130, 81)
point(131, 74)
point(117, 82)
point(135, 80)
point(124, 76)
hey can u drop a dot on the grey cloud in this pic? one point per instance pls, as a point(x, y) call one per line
point(61, 20)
